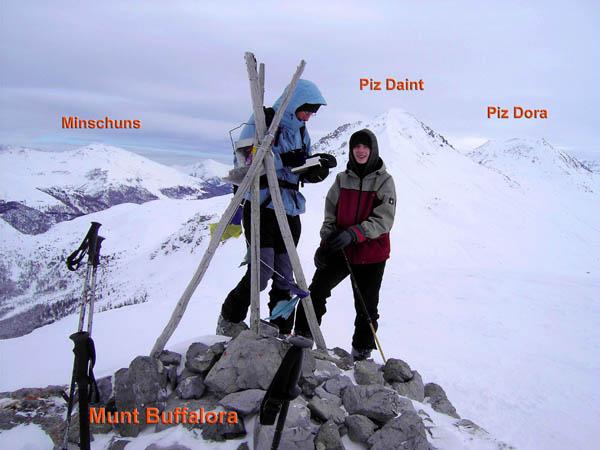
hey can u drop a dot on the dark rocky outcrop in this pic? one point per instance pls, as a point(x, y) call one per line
point(221, 386)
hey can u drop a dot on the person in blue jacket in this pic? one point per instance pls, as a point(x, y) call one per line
point(291, 148)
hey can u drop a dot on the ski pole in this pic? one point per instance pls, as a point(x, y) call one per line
point(84, 351)
point(362, 303)
point(283, 388)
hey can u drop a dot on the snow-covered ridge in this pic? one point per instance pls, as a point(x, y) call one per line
point(491, 288)
point(206, 169)
point(520, 154)
point(39, 189)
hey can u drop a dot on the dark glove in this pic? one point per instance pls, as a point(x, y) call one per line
point(340, 241)
point(321, 258)
point(295, 158)
point(326, 160)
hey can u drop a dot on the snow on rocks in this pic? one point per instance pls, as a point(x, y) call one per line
point(229, 381)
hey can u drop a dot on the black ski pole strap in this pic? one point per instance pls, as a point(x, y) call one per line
point(94, 393)
point(88, 245)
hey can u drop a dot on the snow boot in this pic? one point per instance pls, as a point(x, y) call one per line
point(231, 329)
point(361, 354)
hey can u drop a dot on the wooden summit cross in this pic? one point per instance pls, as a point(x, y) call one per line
point(262, 159)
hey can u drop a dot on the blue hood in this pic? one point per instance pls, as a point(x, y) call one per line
point(306, 92)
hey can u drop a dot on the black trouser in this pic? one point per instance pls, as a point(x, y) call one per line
point(368, 277)
point(273, 254)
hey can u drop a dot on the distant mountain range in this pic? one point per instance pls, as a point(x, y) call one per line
point(151, 212)
point(39, 189)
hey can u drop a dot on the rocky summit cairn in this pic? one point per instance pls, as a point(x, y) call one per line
point(232, 377)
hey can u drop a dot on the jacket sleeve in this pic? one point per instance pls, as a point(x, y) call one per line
point(331, 204)
point(381, 219)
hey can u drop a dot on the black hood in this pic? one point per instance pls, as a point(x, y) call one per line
point(374, 162)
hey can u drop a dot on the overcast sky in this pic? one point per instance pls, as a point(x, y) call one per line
point(178, 67)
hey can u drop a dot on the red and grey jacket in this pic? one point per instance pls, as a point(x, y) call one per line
point(363, 199)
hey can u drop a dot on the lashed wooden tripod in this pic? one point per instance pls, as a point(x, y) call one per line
point(262, 159)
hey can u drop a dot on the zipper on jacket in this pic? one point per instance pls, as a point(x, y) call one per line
point(356, 218)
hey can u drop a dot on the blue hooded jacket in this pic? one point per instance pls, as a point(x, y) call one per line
point(290, 139)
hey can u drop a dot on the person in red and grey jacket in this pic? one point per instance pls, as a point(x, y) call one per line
point(359, 214)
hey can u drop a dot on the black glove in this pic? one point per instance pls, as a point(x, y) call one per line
point(321, 258)
point(326, 160)
point(340, 241)
point(295, 158)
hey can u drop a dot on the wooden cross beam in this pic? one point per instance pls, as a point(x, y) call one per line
point(263, 156)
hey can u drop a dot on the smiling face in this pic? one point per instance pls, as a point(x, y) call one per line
point(361, 153)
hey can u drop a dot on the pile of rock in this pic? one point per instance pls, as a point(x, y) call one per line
point(374, 408)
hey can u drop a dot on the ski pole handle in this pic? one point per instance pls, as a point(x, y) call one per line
point(93, 242)
point(96, 256)
point(88, 245)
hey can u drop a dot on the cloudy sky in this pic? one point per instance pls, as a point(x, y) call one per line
point(178, 67)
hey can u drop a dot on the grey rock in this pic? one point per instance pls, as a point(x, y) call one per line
point(308, 385)
point(101, 427)
point(200, 358)
point(244, 402)
point(105, 389)
point(118, 444)
point(146, 379)
point(222, 431)
point(328, 437)
point(170, 447)
point(340, 357)
point(190, 387)
point(309, 364)
point(337, 384)
point(397, 370)
point(218, 348)
point(172, 376)
point(374, 401)
point(267, 329)
point(325, 370)
point(243, 446)
point(323, 394)
point(406, 432)
point(360, 428)
point(413, 389)
point(470, 426)
point(169, 358)
point(406, 405)
point(324, 410)
point(208, 403)
point(368, 372)
point(436, 395)
point(125, 401)
point(298, 432)
point(249, 363)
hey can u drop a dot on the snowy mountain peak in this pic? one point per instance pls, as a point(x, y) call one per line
point(531, 156)
point(43, 188)
point(395, 129)
point(206, 169)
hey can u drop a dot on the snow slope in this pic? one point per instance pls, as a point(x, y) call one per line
point(491, 290)
point(49, 187)
point(206, 169)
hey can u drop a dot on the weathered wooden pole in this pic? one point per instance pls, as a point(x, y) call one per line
point(291, 250)
point(257, 94)
point(256, 165)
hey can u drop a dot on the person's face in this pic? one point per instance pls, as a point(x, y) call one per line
point(303, 115)
point(361, 153)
